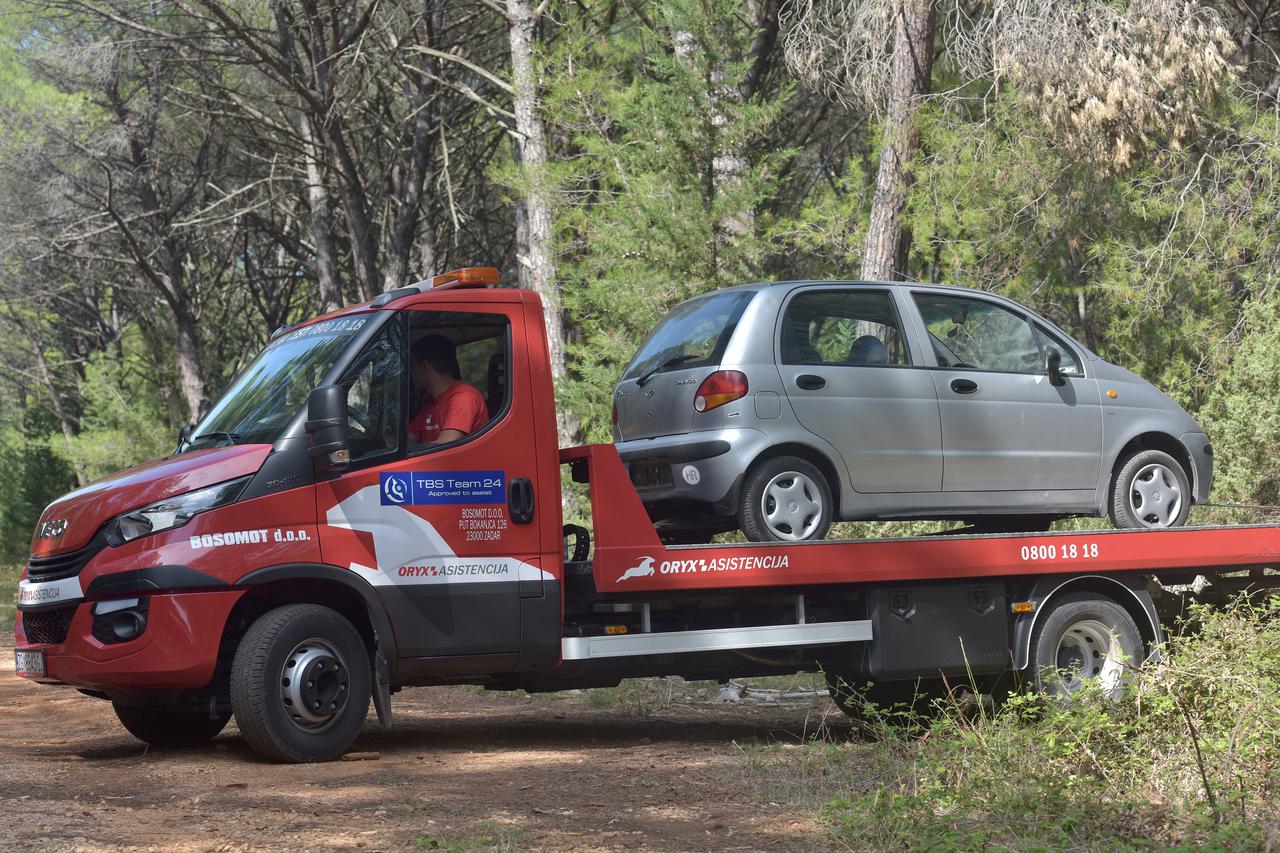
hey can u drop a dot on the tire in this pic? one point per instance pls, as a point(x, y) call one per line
point(1081, 638)
point(785, 499)
point(307, 718)
point(1150, 490)
point(164, 727)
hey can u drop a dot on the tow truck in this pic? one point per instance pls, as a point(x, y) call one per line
point(302, 555)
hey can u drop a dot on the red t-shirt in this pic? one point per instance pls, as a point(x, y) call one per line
point(460, 407)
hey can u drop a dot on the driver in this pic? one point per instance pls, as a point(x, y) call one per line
point(451, 408)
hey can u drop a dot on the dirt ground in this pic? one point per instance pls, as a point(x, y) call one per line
point(461, 770)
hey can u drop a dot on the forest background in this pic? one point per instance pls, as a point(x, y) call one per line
point(178, 179)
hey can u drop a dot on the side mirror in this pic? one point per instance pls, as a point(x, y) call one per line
point(326, 424)
point(1053, 366)
point(184, 436)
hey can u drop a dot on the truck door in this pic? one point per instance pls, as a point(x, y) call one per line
point(433, 509)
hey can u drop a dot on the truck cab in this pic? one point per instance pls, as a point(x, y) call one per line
point(442, 556)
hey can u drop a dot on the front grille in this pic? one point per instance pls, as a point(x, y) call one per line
point(48, 627)
point(60, 566)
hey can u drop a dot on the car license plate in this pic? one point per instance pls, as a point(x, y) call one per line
point(29, 662)
point(650, 474)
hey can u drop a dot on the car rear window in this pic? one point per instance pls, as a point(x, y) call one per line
point(694, 334)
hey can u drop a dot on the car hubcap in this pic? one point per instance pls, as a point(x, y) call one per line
point(792, 506)
point(314, 684)
point(1154, 496)
point(1089, 650)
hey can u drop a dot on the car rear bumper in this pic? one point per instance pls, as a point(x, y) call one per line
point(177, 649)
point(704, 467)
point(1201, 453)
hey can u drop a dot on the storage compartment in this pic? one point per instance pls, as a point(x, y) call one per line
point(949, 628)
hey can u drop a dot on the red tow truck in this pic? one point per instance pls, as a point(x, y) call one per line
point(304, 552)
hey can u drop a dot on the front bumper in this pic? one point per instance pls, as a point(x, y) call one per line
point(1201, 453)
point(177, 650)
point(702, 467)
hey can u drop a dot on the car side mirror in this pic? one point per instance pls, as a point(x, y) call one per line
point(1053, 366)
point(184, 436)
point(326, 424)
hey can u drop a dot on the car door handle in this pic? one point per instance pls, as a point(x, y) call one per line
point(520, 500)
point(964, 386)
point(809, 382)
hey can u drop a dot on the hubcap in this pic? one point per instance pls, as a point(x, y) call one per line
point(314, 684)
point(1154, 496)
point(1089, 650)
point(792, 506)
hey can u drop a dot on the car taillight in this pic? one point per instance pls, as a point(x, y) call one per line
point(723, 386)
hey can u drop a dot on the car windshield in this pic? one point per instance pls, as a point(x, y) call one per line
point(266, 395)
point(694, 334)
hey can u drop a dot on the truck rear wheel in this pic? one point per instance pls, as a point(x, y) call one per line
point(1084, 638)
point(166, 727)
point(785, 499)
point(300, 684)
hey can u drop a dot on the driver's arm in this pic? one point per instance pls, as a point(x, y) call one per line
point(447, 436)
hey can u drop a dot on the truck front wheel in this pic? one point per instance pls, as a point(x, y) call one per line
point(300, 684)
point(1083, 639)
point(166, 727)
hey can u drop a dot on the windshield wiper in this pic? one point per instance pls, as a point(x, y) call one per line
point(228, 437)
point(671, 362)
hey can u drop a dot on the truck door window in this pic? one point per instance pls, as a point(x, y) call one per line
point(978, 334)
point(460, 367)
point(375, 388)
point(851, 327)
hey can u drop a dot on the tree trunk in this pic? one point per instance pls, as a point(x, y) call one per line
point(885, 255)
point(537, 268)
point(36, 343)
point(186, 350)
point(330, 291)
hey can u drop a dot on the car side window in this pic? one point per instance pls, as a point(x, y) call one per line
point(460, 375)
point(852, 327)
point(375, 386)
point(966, 332)
point(1070, 364)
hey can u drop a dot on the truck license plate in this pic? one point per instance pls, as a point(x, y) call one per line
point(29, 662)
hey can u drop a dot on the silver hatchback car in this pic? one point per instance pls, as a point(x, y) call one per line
point(779, 407)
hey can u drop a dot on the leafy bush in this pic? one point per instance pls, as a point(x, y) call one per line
point(1188, 758)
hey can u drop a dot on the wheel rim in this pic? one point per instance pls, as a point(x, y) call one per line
point(314, 684)
point(792, 506)
point(1087, 651)
point(1155, 498)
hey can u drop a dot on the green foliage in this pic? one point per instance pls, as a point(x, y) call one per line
point(1186, 759)
point(126, 416)
point(643, 221)
point(9, 575)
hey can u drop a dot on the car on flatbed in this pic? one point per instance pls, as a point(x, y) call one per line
point(314, 547)
point(779, 408)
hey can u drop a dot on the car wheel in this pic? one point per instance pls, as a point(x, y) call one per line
point(1083, 638)
point(1150, 490)
point(300, 684)
point(163, 727)
point(785, 499)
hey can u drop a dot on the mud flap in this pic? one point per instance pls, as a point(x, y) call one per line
point(382, 689)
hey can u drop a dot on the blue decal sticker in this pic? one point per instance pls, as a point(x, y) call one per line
point(397, 489)
point(424, 488)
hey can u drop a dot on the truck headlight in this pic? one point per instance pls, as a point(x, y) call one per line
point(172, 512)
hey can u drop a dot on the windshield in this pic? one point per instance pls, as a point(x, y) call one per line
point(694, 334)
point(266, 395)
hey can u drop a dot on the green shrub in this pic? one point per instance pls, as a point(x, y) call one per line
point(1189, 758)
